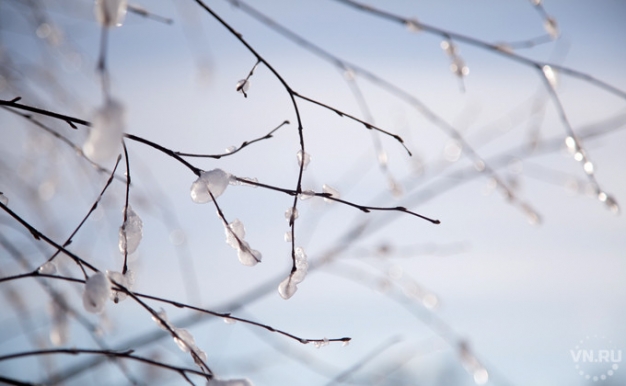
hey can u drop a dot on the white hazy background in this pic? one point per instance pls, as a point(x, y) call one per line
point(521, 295)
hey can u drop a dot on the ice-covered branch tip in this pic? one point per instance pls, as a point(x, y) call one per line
point(235, 234)
point(289, 286)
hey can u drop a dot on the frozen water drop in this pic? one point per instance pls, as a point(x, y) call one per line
point(413, 25)
point(243, 86)
point(48, 268)
point(332, 192)
point(4, 199)
point(230, 149)
point(131, 232)
point(551, 27)
point(588, 167)
point(286, 288)
point(481, 376)
point(126, 280)
point(215, 181)
point(550, 75)
point(570, 142)
point(96, 293)
point(303, 159)
point(288, 236)
point(235, 230)
point(110, 13)
point(291, 214)
point(306, 194)
point(107, 129)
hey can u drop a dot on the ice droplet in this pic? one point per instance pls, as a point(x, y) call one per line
point(127, 280)
point(303, 159)
point(321, 343)
point(163, 323)
point(215, 181)
point(110, 13)
point(230, 149)
point(97, 292)
point(551, 27)
point(4, 199)
point(235, 233)
point(289, 286)
point(570, 142)
point(107, 129)
point(331, 191)
point(288, 236)
point(235, 230)
point(413, 25)
point(286, 288)
point(306, 194)
point(243, 86)
point(588, 167)
point(291, 214)
point(229, 320)
point(48, 268)
point(131, 232)
point(452, 151)
point(247, 256)
point(550, 75)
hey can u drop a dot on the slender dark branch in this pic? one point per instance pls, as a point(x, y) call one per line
point(65, 118)
point(167, 151)
point(328, 196)
point(366, 124)
point(243, 145)
point(227, 315)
